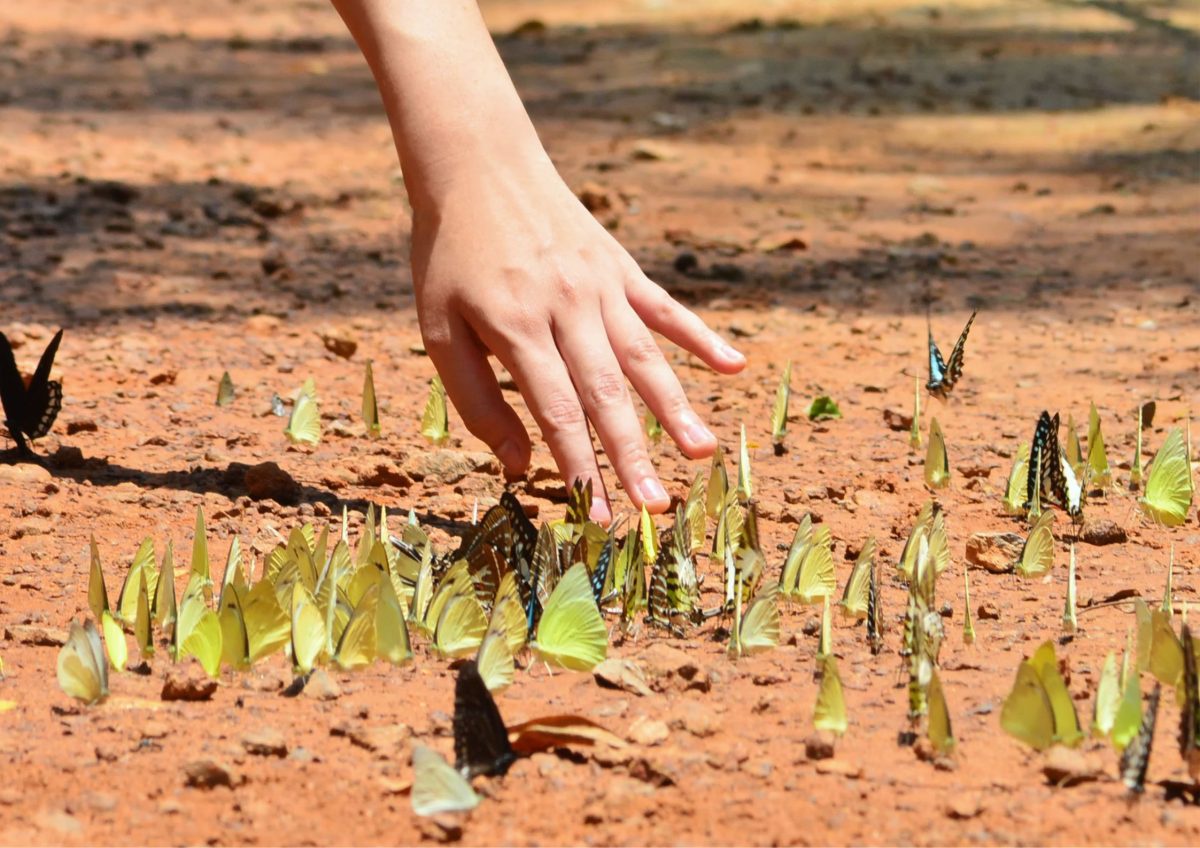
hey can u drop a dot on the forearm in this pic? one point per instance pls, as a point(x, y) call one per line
point(451, 104)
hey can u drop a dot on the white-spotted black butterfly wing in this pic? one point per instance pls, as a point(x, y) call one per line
point(480, 739)
point(29, 410)
point(1044, 435)
point(944, 374)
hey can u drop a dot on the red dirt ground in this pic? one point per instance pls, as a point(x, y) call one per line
point(190, 188)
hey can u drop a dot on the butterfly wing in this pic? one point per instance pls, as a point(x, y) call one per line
point(12, 392)
point(437, 787)
point(830, 710)
point(1189, 715)
point(1169, 485)
point(370, 406)
point(937, 369)
point(1037, 555)
point(572, 633)
point(941, 735)
point(480, 739)
point(304, 426)
point(1066, 721)
point(952, 369)
point(1136, 757)
point(854, 599)
point(760, 625)
point(43, 396)
point(81, 668)
point(1027, 714)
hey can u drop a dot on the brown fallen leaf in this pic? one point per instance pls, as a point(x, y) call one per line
point(619, 673)
point(541, 734)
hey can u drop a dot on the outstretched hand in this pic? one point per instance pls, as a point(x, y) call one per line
point(510, 263)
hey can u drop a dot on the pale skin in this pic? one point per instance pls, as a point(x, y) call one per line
point(507, 262)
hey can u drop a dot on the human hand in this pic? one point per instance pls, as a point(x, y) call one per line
point(507, 261)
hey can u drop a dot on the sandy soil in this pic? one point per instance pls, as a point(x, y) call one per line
point(192, 188)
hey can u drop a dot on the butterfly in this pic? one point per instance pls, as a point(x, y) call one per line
point(571, 633)
point(874, 614)
point(1135, 759)
point(304, 425)
point(1097, 457)
point(942, 374)
point(1135, 469)
point(1070, 622)
point(481, 743)
point(855, 598)
point(1169, 484)
point(1049, 472)
point(758, 629)
point(308, 630)
point(359, 642)
point(780, 411)
point(937, 462)
point(1039, 710)
point(370, 406)
point(745, 487)
point(654, 428)
point(815, 578)
point(29, 408)
point(1158, 648)
point(435, 422)
point(829, 713)
point(437, 788)
point(1189, 717)
point(718, 484)
point(914, 433)
point(81, 668)
point(495, 657)
point(1014, 492)
point(225, 391)
point(1037, 554)
point(941, 735)
point(1117, 711)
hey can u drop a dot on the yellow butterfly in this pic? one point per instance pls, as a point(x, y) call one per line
point(1135, 470)
point(82, 669)
point(97, 593)
point(817, 578)
point(304, 426)
point(830, 710)
point(165, 612)
point(357, 647)
point(225, 391)
point(745, 488)
point(308, 630)
point(572, 633)
point(435, 423)
point(391, 634)
point(908, 556)
point(1039, 710)
point(201, 566)
point(461, 626)
point(1118, 709)
point(198, 632)
point(268, 626)
point(780, 412)
point(758, 629)
point(114, 641)
point(825, 640)
point(654, 429)
point(437, 788)
point(941, 735)
point(127, 603)
point(1014, 493)
point(1069, 621)
point(509, 613)
point(370, 407)
point(1097, 458)
point(855, 598)
point(694, 512)
point(1073, 451)
point(495, 659)
point(1037, 555)
point(142, 631)
point(235, 640)
point(718, 484)
point(1169, 485)
point(937, 463)
point(1159, 650)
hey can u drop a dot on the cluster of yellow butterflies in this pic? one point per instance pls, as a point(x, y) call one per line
point(304, 423)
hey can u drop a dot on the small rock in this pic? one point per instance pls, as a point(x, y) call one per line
point(207, 774)
point(155, 729)
point(653, 151)
point(23, 474)
point(840, 768)
point(819, 745)
point(388, 739)
point(187, 682)
point(261, 325)
point(108, 753)
point(786, 240)
point(696, 719)
point(36, 634)
point(987, 611)
point(972, 470)
point(265, 742)
point(668, 667)
point(442, 827)
point(67, 456)
point(446, 467)
point(620, 673)
point(339, 343)
point(1069, 766)
point(995, 552)
point(963, 806)
point(268, 480)
point(1101, 531)
point(32, 526)
point(648, 731)
point(897, 421)
point(81, 425)
point(322, 687)
point(811, 626)
point(595, 198)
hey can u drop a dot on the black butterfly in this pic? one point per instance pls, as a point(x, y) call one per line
point(599, 575)
point(1048, 463)
point(579, 501)
point(942, 374)
point(29, 410)
point(1136, 757)
point(1189, 716)
point(480, 739)
point(524, 533)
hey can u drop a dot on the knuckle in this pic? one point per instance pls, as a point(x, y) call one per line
point(606, 389)
point(643, 350)
point(562, 413)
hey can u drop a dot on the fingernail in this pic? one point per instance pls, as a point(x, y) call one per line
point(695, 432)
point(729, 353)
point(600, 513)
point(651, 491)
